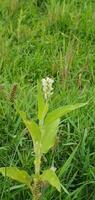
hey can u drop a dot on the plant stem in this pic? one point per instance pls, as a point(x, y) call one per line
point(37, 164)
point(36, 185)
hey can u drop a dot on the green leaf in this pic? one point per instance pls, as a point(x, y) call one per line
point(32, 127)
point(42, 105)
point(61, 111)
point(50, 176)
point(92, 171)
point(16, 174)
point(49, 136)
point(65, 190)
point(65, 167)
point(67, 164)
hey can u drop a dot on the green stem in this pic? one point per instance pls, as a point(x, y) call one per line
point(37, 164)
point(37, 161)
point(36, 189)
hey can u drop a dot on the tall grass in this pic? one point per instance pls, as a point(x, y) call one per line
point(55, 38)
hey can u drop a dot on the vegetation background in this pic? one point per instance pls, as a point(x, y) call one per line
point(53, 38)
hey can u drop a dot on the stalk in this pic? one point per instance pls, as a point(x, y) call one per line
point(36, 185)
point(37, 164)
point(36, 188)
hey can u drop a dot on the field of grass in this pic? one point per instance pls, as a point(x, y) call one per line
point(55, 38)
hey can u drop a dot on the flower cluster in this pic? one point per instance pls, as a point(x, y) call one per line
point(47, 87)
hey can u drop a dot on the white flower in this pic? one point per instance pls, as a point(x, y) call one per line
point(47, 87)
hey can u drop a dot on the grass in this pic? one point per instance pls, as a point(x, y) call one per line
point(48, 38)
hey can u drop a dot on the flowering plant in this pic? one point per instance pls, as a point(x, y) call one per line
point(43, 135)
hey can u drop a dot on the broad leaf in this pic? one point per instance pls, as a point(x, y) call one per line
point(42, 105)
point(49, 136)
point(51, 177)
point(32, 127)
point(61, 111)
point(16, 174)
